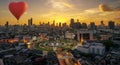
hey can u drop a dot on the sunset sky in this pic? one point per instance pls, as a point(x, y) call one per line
point(63, 10)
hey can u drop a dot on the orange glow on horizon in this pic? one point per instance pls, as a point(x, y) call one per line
point(57, 20)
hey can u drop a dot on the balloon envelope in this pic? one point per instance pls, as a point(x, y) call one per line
point(17, 8)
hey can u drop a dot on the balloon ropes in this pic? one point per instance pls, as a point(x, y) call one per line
point(18, 8)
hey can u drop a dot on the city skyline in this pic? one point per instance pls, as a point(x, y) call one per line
point(63, 10)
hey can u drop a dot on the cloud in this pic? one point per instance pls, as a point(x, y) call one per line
point(107, 8)
point(92, 11)
point(60, 5)
point(106, 13)
point(88, 13)
point(117, 9)
point(67, 5)
point(117, 18)
point(103, 8)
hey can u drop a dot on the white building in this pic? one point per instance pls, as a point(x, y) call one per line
point(69, 35)
point(97, 48)
point(83, 49)
point(92, 48)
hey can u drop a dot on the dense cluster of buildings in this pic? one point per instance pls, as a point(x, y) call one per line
point(90, 42)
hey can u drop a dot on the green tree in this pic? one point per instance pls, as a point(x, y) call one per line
point(109, 44)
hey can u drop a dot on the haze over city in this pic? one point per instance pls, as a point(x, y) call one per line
point(63, 10)
point(59, 32)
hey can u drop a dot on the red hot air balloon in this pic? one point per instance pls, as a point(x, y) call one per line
point(17, 8)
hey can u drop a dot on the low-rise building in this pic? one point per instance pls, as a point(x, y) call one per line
point(69, 35)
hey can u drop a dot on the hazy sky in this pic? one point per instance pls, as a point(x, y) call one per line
point(63, 11)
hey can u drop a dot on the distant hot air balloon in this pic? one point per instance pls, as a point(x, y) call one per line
point(17, 8)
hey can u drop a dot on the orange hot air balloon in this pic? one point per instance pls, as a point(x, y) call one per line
point(18, 8)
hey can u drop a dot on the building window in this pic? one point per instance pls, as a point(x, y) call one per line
point(93, 50)
point(98, 51)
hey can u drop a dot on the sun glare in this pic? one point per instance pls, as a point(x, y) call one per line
point(60, 19)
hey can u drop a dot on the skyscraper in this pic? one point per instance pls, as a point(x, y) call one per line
point(7, 24)
point(78, 25)
point(53, 24)
point(84, 25)
point(72, 22)
point(60, 25)
point(92, 25)
point(111, 24)
point(102, 25)
point(30, 22)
